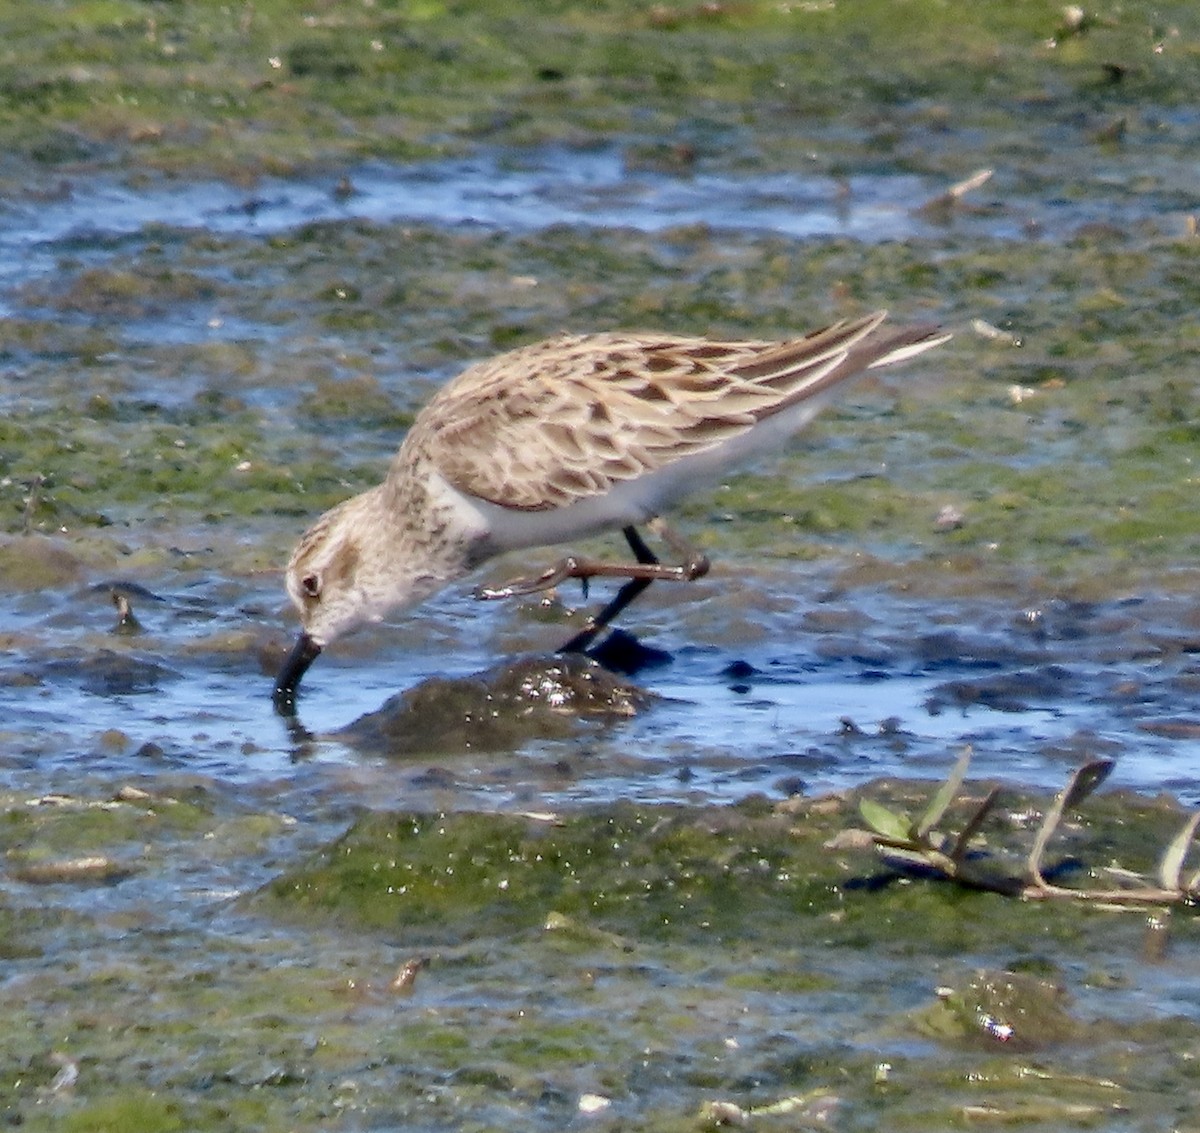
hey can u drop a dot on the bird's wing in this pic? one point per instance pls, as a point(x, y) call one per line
point(552, 423)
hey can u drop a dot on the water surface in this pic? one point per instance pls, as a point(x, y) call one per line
point(197, 370)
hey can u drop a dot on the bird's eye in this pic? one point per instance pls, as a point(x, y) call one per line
point(311, 585)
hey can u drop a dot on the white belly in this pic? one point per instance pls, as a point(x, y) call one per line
point(631, 502)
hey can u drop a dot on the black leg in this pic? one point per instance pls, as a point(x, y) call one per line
point(637, 545)
point(584, 638)
point(694, 565)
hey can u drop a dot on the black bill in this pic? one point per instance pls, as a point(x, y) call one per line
point(303, 654)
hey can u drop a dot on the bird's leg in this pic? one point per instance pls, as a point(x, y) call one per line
point(694, 564)
point(641, 574)
point(645, 557)
point(570, 567)
point(582, 641)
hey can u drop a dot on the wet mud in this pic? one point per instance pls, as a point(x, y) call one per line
point(472, 886)
point(502, 708)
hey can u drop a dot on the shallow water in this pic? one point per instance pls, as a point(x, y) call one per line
point(895, 689)
point(592, 188)
point(710, 737)
point(880, 654)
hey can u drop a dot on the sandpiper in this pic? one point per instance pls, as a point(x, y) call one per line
point(561, 440)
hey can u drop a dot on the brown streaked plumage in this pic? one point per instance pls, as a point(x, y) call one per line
point(557, 441)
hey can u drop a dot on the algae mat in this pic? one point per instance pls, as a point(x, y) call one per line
point(241, 244)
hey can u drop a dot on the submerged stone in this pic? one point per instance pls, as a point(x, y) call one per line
point(1011, 1008)
point(95, 868)
point(499, 709)
point(34, 562)
point(112, 674)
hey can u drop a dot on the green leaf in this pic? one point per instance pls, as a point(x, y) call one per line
point(1085, 781)
point(1171, 865)
point(885, 822)
point(972, 827)
point(1081, 784)
point(945, 795)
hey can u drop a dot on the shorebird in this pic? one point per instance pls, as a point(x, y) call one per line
point(561, 440)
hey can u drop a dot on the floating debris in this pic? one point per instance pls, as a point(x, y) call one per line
point(952, 198)
point(67, 1076)
point(994, 334)
point(914, 846)
point(1020, 394)
point(95, 869)
point(949, 518)
point(405, 979)
point(127, 623)
point(593, 1103)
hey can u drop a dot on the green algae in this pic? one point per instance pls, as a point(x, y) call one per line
point(511, 874)
point(134, 1112)
point(666, 873)
point(37, 563)
point(501, 709)
point(1010, 1007)
point(669, 887)
point(62, 840)
point(117, 294)
point(695, 955)
point(266, 87)
point(714, 954)
point(1069, 457)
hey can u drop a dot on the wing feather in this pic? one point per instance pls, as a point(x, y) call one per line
point(549, 424)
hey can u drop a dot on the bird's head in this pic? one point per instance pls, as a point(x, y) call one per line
point(353, 567)
point(333, 580)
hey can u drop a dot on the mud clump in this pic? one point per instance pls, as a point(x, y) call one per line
point(33, 562)
point(534, 698)
point(1012, 1008)
point(112, 674)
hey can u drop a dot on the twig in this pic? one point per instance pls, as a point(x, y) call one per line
point(914, 845)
